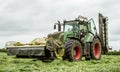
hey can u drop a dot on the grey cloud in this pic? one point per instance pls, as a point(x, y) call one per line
point(19, 16)
point(38, 16)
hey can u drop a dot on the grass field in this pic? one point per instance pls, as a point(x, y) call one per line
point(108, 63)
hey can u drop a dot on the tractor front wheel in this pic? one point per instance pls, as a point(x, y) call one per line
point(73, 50)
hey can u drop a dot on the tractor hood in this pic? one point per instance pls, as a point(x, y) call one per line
point(57, 36)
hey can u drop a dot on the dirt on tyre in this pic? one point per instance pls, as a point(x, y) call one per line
point(73, 50)
point(96, 49)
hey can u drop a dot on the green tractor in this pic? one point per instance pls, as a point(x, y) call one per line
point(78, 38)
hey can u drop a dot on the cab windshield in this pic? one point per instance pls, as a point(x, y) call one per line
point(71, 26)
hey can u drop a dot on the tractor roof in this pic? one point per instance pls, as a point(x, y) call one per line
point(80, 19)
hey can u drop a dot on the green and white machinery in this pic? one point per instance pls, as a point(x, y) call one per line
point(75, 39)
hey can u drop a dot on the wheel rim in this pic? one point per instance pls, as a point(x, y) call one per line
point(97, 50)
point(77, 53)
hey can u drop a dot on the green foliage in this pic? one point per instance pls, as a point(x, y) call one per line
point(3, 50)
point(108, 63)
point(113, 53)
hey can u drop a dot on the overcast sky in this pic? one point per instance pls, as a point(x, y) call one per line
point(24, 20)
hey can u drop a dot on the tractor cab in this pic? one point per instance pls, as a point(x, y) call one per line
point(71, 29)
point(79, 28)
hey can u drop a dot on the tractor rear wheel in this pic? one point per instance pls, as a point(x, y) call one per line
point(73, 50)
point(96, 49)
